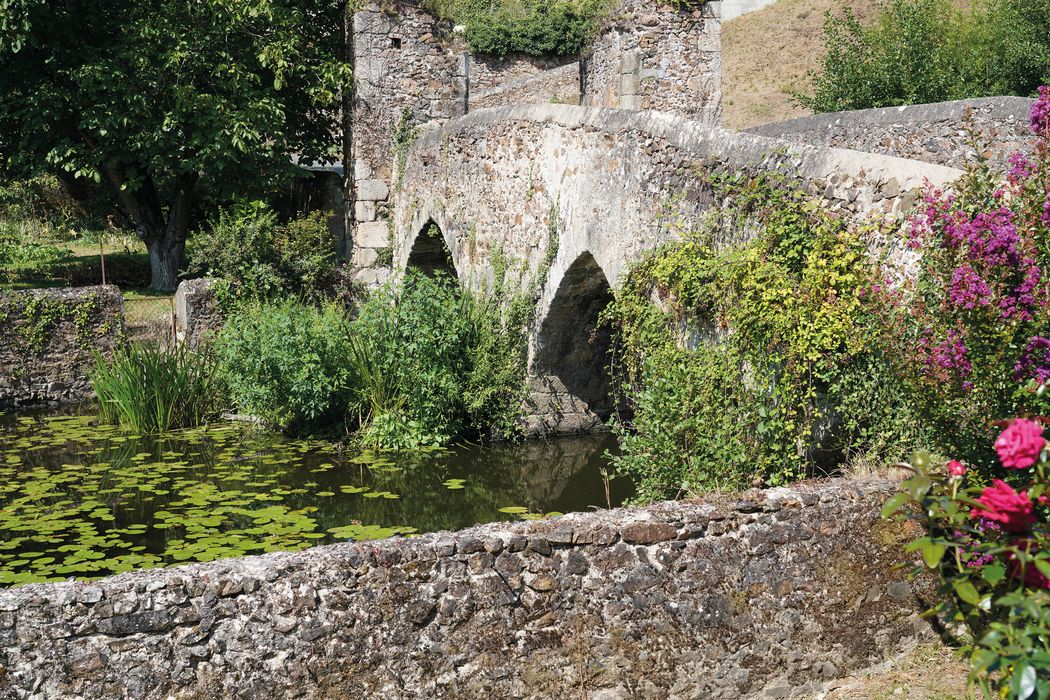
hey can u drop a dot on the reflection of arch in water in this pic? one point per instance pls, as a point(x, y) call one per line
point(571, 359)
point(430, 253)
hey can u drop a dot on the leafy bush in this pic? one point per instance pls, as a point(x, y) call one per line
point(151, 390)
point(533, 27)
point(761, 360)
point(921, 51)
point(990, 548)
point(254, 257)
point(287, 363)
point(435, 363)
point(976, 323)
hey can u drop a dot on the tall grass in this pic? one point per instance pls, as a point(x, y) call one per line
point(151, 390)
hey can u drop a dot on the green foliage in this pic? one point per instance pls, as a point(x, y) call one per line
point(287, 363)
point(157, 99)
point(435, 363)
point(533, 27)
point(922, 51)
point(151, 390)
point(254, 257)
point(994, 578)
point(759, 360)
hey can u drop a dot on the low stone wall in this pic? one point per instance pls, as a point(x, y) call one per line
point(767, 596)
point(47, 337)
point(489, 72)
point(560, 85)
point(197, 313)
point(934, 133)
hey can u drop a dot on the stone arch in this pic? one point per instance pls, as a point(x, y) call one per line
point(430, 253)
point(571, 383)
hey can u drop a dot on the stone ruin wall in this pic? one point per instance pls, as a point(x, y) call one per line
point(408, 60)
point(404, 67)
point(934, 133)
point(763, 596)
point(651, 56)
point(47, 340)
point(559, 85)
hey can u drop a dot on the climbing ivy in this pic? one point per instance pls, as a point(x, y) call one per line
point(759, 360)
point(43, 313)
point(403, 135)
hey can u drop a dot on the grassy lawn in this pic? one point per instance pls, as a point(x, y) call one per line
point(78, 264)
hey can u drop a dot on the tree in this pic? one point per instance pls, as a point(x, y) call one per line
point(162, 99)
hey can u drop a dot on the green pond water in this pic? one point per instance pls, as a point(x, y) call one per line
point(79, 499)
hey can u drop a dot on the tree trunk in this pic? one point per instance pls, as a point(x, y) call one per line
point(165, 239)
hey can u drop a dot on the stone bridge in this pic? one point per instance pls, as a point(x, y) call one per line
point(559, 200)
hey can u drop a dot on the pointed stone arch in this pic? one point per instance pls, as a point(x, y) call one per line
point(571, 383)
point(430, 253)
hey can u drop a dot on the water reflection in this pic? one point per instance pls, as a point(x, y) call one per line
point(81, 499)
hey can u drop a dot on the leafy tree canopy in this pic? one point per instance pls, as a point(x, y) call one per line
point(159, 98)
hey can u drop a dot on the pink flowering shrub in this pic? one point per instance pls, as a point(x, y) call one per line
point(989, 544)
point(977, 320)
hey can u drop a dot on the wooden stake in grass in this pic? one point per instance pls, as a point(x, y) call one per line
point(102, 257)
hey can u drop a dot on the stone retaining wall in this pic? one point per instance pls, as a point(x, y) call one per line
point(767, 596)
point(935, 133)
point(47, 337)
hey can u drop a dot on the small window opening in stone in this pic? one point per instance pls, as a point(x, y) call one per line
point(395, 42)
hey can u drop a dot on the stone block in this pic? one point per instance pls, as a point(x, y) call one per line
point(373, 234)
point(365, 211)
point(372, 190)
point(364, 257)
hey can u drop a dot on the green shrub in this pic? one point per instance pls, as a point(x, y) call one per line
point(921, 51)
point(253, 256)
point(435, 363)
point(917, 51)
point(151, 390)
point(287, 363)
point(533, 27)
point(760, 360)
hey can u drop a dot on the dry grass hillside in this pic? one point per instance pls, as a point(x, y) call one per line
point(766, 54)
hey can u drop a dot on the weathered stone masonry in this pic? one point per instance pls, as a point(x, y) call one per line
point(47, 337)
point(573, 195)
point(652, 56)
point(935, 133)
point(771, 594)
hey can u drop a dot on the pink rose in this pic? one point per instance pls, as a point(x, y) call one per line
point(956, 469)
point(1020, 444)
point(1001, 504)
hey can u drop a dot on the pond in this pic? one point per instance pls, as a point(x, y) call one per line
point(80, 499)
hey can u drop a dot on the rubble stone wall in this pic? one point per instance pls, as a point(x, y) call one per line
point(559, 85)
point(935, 133)
point(47, 340)
point(406, 73)
point(768, 596)
point(545, 187)
point(651, 56)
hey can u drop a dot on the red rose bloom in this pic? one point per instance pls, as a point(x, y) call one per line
point(1001, 504)
point(1033, 578)
point(956, 469)
point(1019, 445)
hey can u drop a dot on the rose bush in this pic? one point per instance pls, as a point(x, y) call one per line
point(990, 546)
